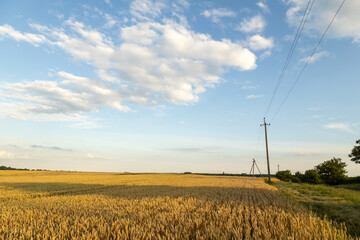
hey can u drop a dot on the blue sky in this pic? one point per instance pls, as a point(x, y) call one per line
point(174, 86)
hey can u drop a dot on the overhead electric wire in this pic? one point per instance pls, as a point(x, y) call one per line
point(287, 61)
point(258, 143)
point(291, 51)
point(308, 60)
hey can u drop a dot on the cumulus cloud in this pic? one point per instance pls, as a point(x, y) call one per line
point(217, 13)
point(345, 25)
point(315, 57)
point(178, 63)
point(9, 32)
point(258, 42)
point(71, 95)
point(155, 61)
point(14, 108)
point(150, 64)
point(250, 25)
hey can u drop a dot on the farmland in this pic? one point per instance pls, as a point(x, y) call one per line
point(65, 205)
point(337, 203)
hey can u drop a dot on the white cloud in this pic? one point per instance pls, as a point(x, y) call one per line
point(265, 54)
point(217, 13)
point(10, 32)
point(254, 24)
point(263, 6)
point(183, 3)
point(6, 155)
point(160, 61)
point(258, 42)
point(345, 25)
point(176, 62)
point(247, 85)
point(288, 37)
point(315, 57)
point(154, 63)
point(71, 95)
point(110, 21)
point(146, 9)
point(254, 96)
point(21, 110)
point(340, 126)
point(66, 100)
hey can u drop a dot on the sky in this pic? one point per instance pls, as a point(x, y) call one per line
point(177, 85)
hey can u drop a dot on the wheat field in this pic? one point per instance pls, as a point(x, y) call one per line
point(73, 205)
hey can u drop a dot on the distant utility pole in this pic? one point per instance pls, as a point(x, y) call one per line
point(267, 149)
point(252, 170)
point(278, 167)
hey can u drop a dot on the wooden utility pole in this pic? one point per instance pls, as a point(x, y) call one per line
point(267, 148)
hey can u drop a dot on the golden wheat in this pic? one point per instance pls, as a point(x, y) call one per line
point(64, 205)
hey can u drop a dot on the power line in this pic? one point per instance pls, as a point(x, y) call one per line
point(258, 143)
point(308, 60)
point(292, 49)
point(287, 61)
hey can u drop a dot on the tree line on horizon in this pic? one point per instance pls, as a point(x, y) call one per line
point(330, 172)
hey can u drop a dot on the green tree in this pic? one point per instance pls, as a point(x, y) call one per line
point(355, 153)
point(299, 175)
point(284, 175)
point(332, 172)
point(295, 179)
point(311, 176)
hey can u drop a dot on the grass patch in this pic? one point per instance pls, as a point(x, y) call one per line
point(338, 204)
point(353, 186)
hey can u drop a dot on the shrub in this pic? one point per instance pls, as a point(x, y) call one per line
point(284, 175)
point(295, 179)
point(351, 180)
point(312, 176)
point(299, 175)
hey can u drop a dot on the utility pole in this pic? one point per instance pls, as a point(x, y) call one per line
point(252, 170)
point(267, 148)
